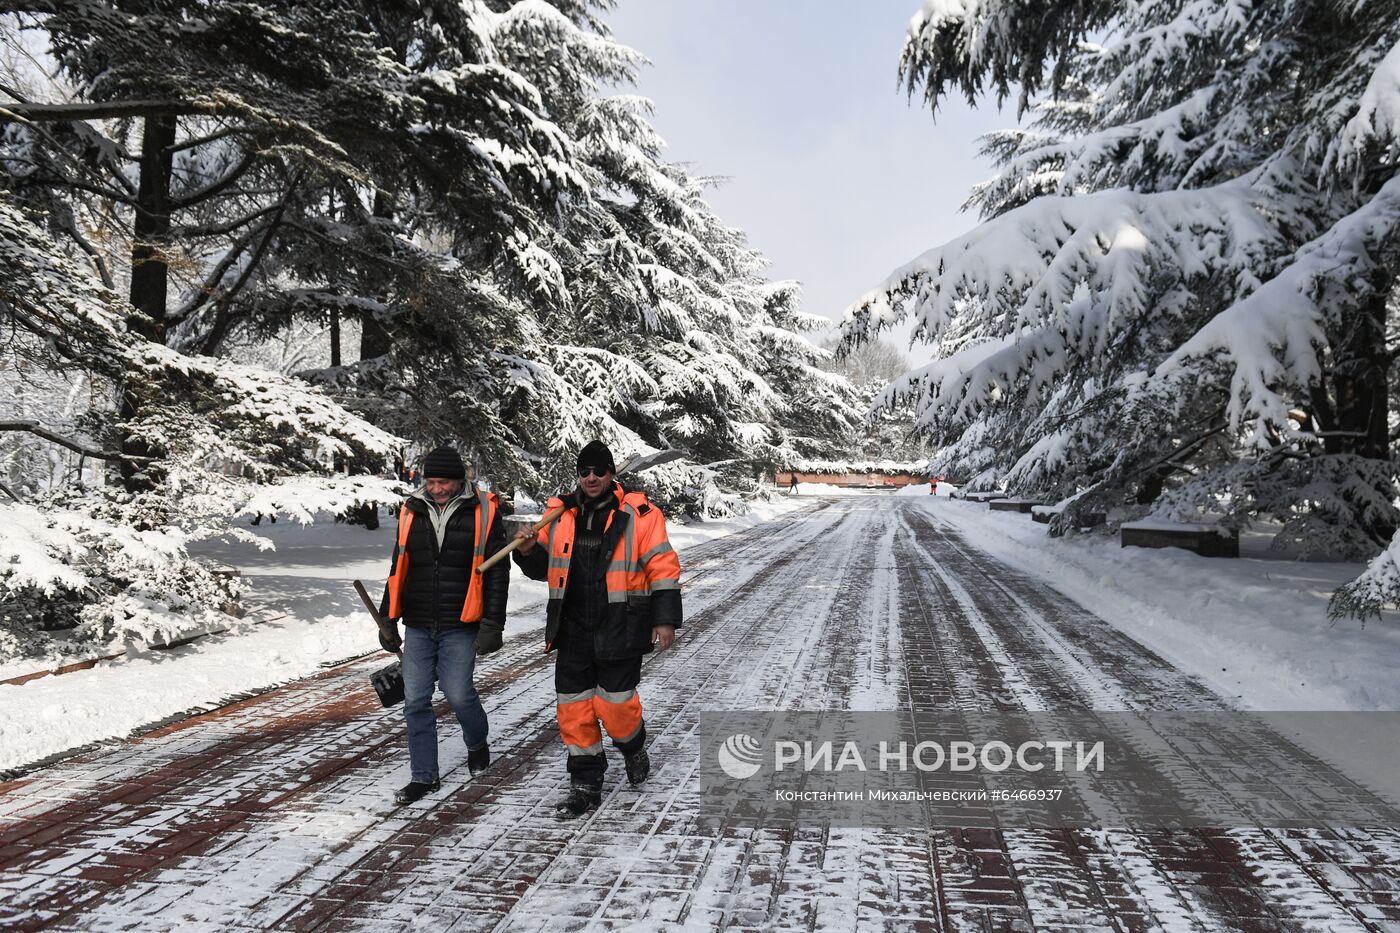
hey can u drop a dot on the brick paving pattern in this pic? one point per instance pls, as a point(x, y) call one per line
point(272, 813)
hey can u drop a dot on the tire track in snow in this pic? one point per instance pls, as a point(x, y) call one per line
point(885, 876)
point(984, 652)
point(1095, 666)
point(983, 884)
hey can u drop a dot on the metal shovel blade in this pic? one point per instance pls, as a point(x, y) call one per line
point(647, 461)
point(388, 684)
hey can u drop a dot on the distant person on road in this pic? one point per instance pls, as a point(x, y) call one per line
point(450, 612)
point(614, 596)
point(792, 486)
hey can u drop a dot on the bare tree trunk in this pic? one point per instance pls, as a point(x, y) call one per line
point(335, 312)
point(375, 340)
point(1360, 382)
point(1151, 487)
point(335, 337)
point(374, 337)
point(149, 281)
point(149, 271)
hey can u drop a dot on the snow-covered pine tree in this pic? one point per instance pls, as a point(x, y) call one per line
point(439, 348)
point(1176, 300)
point(672, 336)
point(889, 432)
point(111, 563)
point(236, 166)
point(251, 163)
point(824, 412)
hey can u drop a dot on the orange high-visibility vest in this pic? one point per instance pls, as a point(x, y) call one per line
point(487, 504)
point(643, 562)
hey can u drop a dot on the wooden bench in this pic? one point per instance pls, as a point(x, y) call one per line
point(1205, 540)
point(1012, 505)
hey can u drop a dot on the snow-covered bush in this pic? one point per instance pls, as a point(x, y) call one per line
point(1377, 588)
point(98, 581)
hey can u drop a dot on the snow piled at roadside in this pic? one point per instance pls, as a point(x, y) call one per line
point(921, 489)
point(1254, 629)
point(52, 714)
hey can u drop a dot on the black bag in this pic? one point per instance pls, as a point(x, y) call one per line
point(388, 683)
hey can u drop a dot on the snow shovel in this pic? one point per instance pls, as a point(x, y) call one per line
point(634, 465)
point(387, 681)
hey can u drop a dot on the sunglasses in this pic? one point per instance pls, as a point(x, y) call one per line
point(593, 471)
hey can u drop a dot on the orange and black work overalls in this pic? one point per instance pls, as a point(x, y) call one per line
point(612, 575)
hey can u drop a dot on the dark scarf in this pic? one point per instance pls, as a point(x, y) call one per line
point(586, 598)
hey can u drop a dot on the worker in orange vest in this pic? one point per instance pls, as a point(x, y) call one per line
point(614, 596)
point(451, 613)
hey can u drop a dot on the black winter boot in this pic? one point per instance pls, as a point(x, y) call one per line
point(638, 766)
point(584, 795)
point(414, 791)
point(478, 759)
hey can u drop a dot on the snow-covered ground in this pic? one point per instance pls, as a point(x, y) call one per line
point(1255, 628)
point(303, 616)
point(278, 809)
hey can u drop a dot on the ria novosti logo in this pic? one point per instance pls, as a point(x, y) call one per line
point(740, 756)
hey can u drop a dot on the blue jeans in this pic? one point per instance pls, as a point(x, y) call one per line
point(449, 659)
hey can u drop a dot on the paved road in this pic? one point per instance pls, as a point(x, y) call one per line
point(270, 814)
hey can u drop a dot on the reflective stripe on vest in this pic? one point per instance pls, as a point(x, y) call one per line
point(625, 570)
point(558, 564)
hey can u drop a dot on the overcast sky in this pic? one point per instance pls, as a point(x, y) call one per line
point(834, 174)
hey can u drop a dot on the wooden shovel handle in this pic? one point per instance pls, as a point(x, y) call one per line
point(497, 557)
point(390, 630)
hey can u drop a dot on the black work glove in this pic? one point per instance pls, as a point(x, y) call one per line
point(390, 641)
point(490, 634)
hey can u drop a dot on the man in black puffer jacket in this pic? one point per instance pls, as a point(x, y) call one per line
point(450, 612)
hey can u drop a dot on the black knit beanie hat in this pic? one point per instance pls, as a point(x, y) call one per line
point(596, 454)
point(444, 463)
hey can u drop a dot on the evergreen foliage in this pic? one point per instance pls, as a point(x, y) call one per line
point(200, 193)
point(1176, 301)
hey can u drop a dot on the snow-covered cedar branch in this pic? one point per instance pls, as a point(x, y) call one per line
point(38, 430)
point(1177, 300)
point(233, 439)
